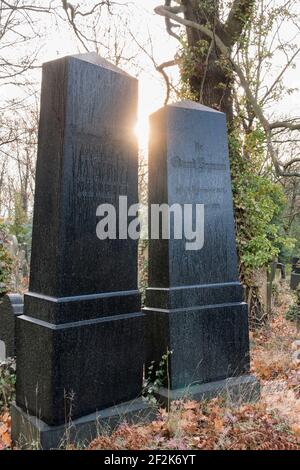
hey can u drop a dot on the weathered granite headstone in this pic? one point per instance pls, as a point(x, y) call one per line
point(295, 274)
point(11, 306)
point(80, 340)
point(194, 305)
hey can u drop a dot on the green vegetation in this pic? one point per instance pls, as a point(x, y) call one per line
point(6, 260)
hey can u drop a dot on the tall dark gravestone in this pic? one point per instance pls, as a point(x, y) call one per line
point(80, 340)
point(194, 303)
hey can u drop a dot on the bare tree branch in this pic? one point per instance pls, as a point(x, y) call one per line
point(287, 65)
point(226, 52)
point(285, 124)
point(23, 6)
point(161, 68)
point(169, 25)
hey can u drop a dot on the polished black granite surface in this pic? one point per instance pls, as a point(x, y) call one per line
point(80, 340)
point(194, 303)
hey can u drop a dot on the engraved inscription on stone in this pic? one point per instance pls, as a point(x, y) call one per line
point(203, 193)
point(199, 163)
point(100, 170)
point(199, 189)
point(196, 164)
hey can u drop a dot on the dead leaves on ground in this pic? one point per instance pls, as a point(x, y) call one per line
point(204, 426)
point(5, 427)
point(270, 364)
point(212, 425)
point(272, 347)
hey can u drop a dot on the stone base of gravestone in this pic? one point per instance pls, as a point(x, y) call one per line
point(199, 368)
point(82, 430)
point(295, 281)
point(11, 306)
point(79, 366)
point(234, 390)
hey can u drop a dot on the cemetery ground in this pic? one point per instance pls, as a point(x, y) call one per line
point(271, 424)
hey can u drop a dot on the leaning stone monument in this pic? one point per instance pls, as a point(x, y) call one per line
point(194, 304)
point(80, 340)
point(11, 306)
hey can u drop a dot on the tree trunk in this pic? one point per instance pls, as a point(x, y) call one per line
point(211, 83)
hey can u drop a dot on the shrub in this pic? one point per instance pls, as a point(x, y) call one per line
point(6, 261)
point(7, 383)
point(293, 312)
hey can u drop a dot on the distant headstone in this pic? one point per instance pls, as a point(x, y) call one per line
point(2, 351)
point(194, 303)
point(11, 306)
point(295, 274)
point(295, 264)
point(80, 341)
point(281, 267)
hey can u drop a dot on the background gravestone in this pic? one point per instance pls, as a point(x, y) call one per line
point(295, 274)
point(194, 305)
point(80, 341)
point(11, 306)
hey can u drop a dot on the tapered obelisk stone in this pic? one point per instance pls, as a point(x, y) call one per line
point(80, 340)
point(194, 305)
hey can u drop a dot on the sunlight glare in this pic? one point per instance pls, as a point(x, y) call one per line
point(141, 130)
